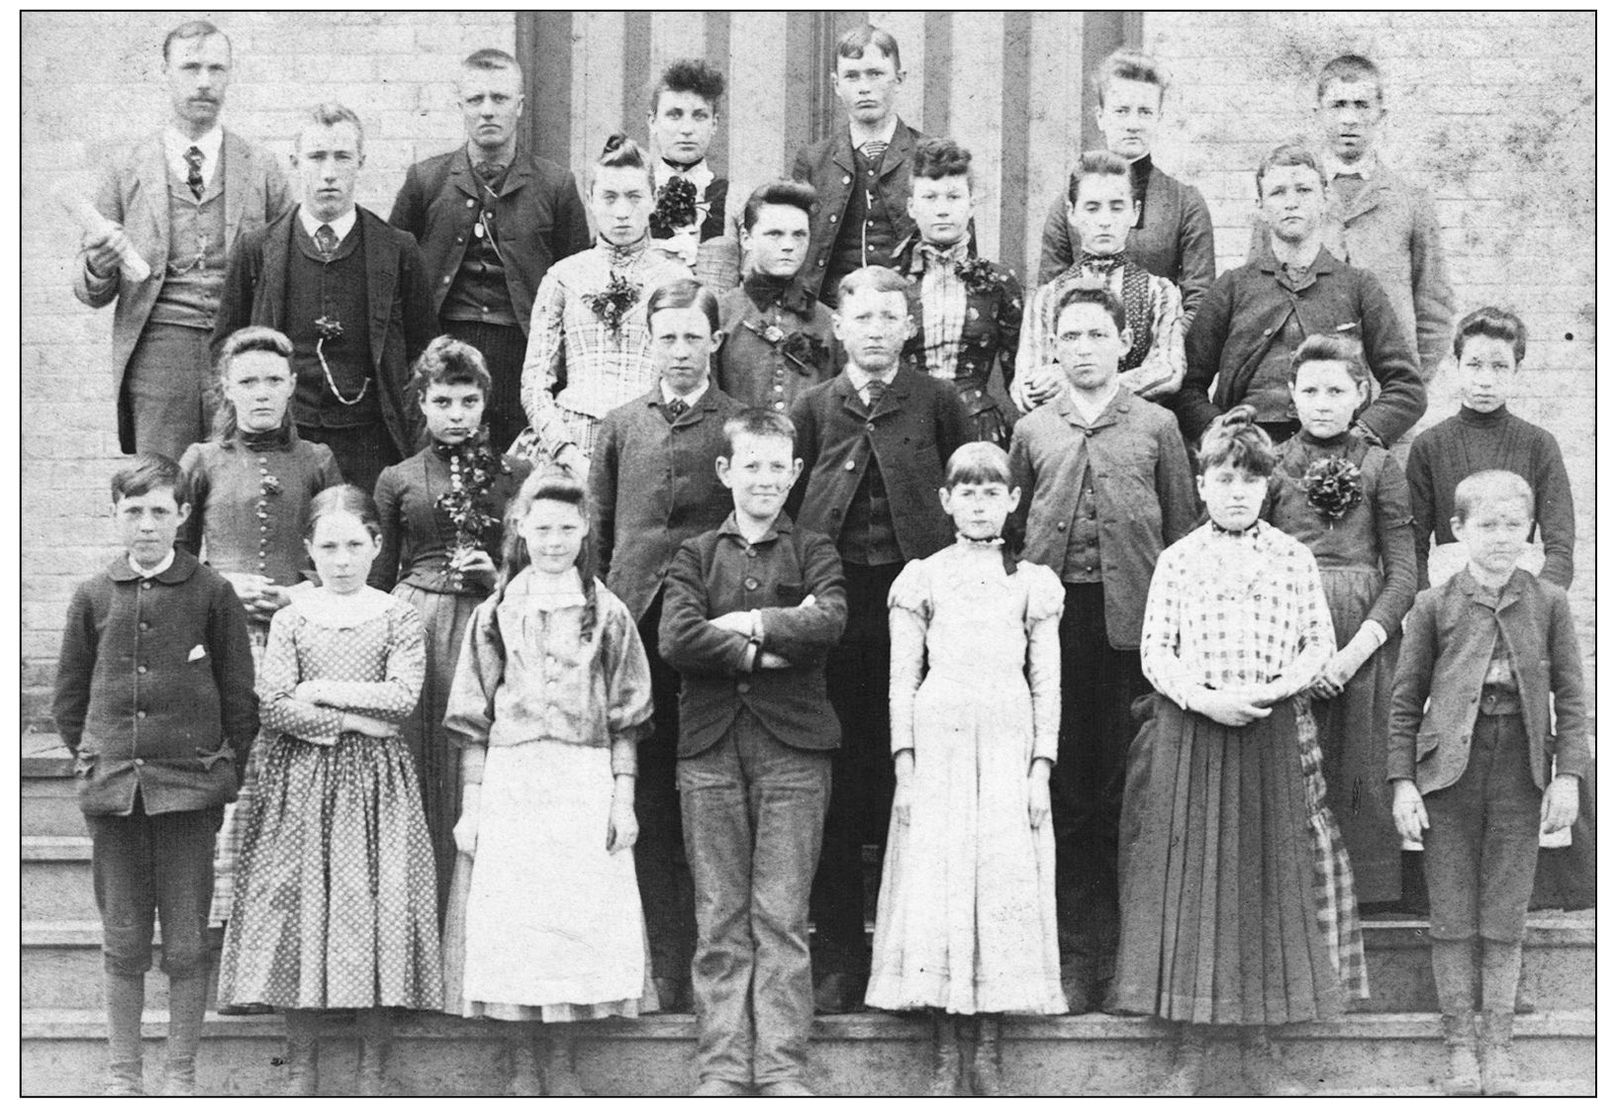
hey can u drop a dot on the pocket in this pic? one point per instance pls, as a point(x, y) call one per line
point(210, 758)
point(84, 764)
point(1425, 745)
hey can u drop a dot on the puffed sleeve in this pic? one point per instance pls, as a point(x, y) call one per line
point(628, 681)
point(1046, 598)
point(1158, 639)
point(908, 613)
point(544, 366)
point(469, 715)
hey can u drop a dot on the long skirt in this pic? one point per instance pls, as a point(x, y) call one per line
point(552, 927)
point(228, 848)
point(335, 892)
point(1219, 920)
point(445, 616)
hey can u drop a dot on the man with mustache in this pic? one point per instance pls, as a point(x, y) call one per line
point(179, 200)
point(491, 218)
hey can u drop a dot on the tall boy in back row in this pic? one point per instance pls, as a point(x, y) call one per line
point(873, 441)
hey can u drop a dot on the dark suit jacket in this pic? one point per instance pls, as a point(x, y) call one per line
point(719, 572)
point(134, 192)
point(828, 166)
point(1174, 241)
point(1447, 643)
point(538, 219)
point(401, 318)
point(916, 425)
point(654, 485)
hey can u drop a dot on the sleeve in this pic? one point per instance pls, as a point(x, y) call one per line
point(603, 492)
point(1556, 516)
point(231, 650)
point(1175, 485)
point(1402, 391)
point(97, 292)
point(1162, 371)
point(327, 473)
point(394, 697)
point(277, 195)
point(236, 296)
point(1203, 348)
point(278, 674)
point(1033, 352)
point(1159, 637)
point(801, 168)
point(1046, 597)
point(688, 641)
point(1316, 641)
point(1055, 255)
point(953, 429)
point(544, 366)
point(384, 572)
point(420, 328)
point(628, 685)
point(804, 634)
point(1022, 477)
point(908, 615)
point(469, 713)
point(1011, 302)
point(1197, 267)
point(190, 534)
point(806, 423)
point(409, 209)
point(1571, 752)
point(75, 668)
point(1433, 296)
point(1422, 507)
point(1396, 534)
point(1415, 660)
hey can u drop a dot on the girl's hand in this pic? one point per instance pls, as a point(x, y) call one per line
point(1231, 708)
point(474, 563)
point(903, 768)
point(1038, 793)
point(768, 660)
point(622, 828)
point(312, 690)
point(1044, 383)
point(368, 725)
point(465, 832)
point(1408, 811)
point(1560, 804)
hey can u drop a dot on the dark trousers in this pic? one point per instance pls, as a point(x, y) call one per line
point(857, 674)
point(168, 388)
point(1481, 847)
point(666, 892)
point(163, 865)
point(754, 811)
point(362, 452)
point(1098, 687)
point(503, 349)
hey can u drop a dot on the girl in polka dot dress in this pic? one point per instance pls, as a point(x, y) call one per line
point(336, 901)
point(552, 695)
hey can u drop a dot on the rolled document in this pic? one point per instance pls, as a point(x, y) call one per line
point(93, 222)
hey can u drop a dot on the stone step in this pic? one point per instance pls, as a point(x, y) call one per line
point(870, 1054)
point(56, 879)
point(50, 799)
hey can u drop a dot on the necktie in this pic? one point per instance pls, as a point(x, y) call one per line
point(193, 159)
point(488, 170)
point(325, 240)
point(1104, 263)
point(677, 407)
point(875, 390)
point(873, 151)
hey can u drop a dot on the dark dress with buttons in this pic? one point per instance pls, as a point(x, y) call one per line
point(778, 342)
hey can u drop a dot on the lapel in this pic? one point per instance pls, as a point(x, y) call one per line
point(151, 176)
point(461, 175)
point(271, 292)
point(1368, 198)
point(517, 176)
point(236, 161)
point(841, 150)
point(381, 276)
point(894, 400)
point(851, 404)
point(898, 152)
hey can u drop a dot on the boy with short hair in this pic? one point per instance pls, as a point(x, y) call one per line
point(1107, 488)
point(778, 340)
point(1488, 742)
point(752, 610)
point(154, 697)
point(873, 441)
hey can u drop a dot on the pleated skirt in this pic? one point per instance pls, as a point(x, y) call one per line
point(1219, 908)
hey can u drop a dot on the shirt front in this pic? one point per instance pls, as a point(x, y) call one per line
point(861, 381)
point(340, 226)
point(944, 294)
point(168, 560)
point(690, 398)
point(176, 143)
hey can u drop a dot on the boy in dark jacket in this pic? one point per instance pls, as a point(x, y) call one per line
point(154, 697)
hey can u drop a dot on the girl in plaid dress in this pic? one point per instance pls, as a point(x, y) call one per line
point(1219, 874)
point(588, 349)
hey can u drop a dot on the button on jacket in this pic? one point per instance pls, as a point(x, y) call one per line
point(1142, 486)
point(154, 689)
point(1448, 643)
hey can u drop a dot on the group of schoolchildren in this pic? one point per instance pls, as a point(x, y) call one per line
point(1134, 723)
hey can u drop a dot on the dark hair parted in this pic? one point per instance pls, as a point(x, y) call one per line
point(693, 75)
point(248, 340)
point(790, 194)
point(1234, 439)
point(449, 361)
point(1491, 323)
point(349, 499)
point(1331, 348)
point(1350, 67)
point(193, 29)
point(1291, 152)
point(936, 158)
point(986, 464)
point(1097, 295)
point(1129, 65)
point(622, 152)
point(1098, 163)
point(147, 472)
point(765, 423)
point(552, 481)
point(879, 278)
point(683, 292)
point(855, 41)
point(1486, 486)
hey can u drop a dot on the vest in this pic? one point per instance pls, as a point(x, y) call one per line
point(867, 237)
point(333, 290)
point(479, 292)
point(194, 270)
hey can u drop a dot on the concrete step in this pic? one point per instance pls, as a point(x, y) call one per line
point(56, 879)
point(63, 1053)
point(50, 804)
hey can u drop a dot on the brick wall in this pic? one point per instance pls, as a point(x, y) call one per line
point(1508, 153)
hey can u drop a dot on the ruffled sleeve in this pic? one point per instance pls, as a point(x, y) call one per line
point(1046, 598)
point(909, 610)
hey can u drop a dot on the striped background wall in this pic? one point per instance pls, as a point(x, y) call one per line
point(1007, 85)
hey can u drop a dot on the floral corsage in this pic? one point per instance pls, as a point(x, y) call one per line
point(979, 275)
point(675, 208)
point(270, 484)
point(613, 302)
point(806, 352)
point(472, 470)
point(1333, 486)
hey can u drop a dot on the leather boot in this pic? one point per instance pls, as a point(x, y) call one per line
point(945, 1056)
point(187, 1003)
point(987, 1064)
point(1184, 1079)
point(1264, 1069)
point(1498, 1077)
point(522, 1047)
point(560, 1062)
point(126, 998)
point(301, 1077)
point(1459, 1034)
point(375, 1045)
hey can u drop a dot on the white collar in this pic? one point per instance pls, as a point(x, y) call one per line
point(1089, 411)
point(689, 399)
point(176, 143)
point(700, 175)
point(861, 378)
point(1366, 167)
point(341, 225)
point(168, 560)
point(885, 136)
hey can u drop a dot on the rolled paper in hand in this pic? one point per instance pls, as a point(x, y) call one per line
point(91, 221)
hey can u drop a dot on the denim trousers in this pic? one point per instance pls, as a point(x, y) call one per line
point(754, 811)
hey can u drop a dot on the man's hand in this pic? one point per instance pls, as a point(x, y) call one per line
point(103, 250)
point(1559, 804)
point(1408, 811)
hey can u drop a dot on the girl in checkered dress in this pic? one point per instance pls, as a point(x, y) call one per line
point(1219, 871)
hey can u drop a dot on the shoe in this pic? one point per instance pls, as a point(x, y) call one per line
point(945, 1056)
point(1078, 1001)
point(832, 993)
point(1464, 1076)
point(673, 994)
point(987, 1062)
point(1498, 1078)
point(251, 1009)
point(786, 1087)
point(720, 1087)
